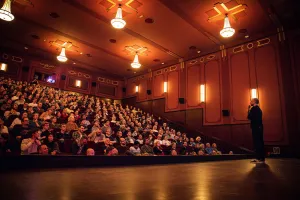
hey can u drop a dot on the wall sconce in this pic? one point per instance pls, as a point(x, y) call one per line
point(253, 93)
point(3, 67)
point(78, 83)
point(165, 86)
point(202, 93)
point(137, 88)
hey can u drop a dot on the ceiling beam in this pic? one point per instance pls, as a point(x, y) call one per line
point(171, 5)
point(126, 30)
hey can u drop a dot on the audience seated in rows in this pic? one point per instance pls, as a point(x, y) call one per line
point(37, 119)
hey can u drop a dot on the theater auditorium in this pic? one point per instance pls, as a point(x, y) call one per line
point(149, 99)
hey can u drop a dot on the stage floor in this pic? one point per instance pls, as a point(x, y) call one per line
point(222, 180)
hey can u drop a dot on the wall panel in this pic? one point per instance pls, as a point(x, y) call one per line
point(269, 92)
point(212, 92)
point(193, 86)
point(130, 88)
point(158, 86)
point(240, 86)
point(173, 91)
point(142, 95)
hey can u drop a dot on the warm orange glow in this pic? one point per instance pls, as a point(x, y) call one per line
point(78, 83)
point(165, 86)
point(202, 93)
point(3, 67)
point(137, 88)
point(253, 93)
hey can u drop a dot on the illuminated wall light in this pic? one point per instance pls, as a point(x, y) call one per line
point(137, 88)
point(78, 83)
point(253, 93)
point(3, 67)
point(165, 86)
point(202, 93)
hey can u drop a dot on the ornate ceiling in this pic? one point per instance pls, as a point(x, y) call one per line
point(161, 31)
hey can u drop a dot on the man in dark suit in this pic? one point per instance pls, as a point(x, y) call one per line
point(255, 116)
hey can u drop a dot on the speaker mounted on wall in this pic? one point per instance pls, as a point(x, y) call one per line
point(181, 100)
point(124, 89)
point(149, 92)
point(25, 69)
point(225, 113)
point(94, 84)
point(63, 77)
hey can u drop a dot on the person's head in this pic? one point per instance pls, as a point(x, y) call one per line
point(122, 141)
point(54, 120)
point(107, 141)
point(25, 121)
point(136, 144)
point(43, 149)
point(35, 116)
point(81, 129)
point(128, 134)
point(214, 145)
point(147, 141)
point(200, 153)
point(63, 127)
point(50, 137)
point(119, 133)
point(191, 139)
point(113, 152)
point(34, 133)
point(254, 102)
point(230, 152)
point(184, 144)
point(174, 152)
point(140, 137)
point(108, 132)
point(46, 126)
point(207, 145)
point(198, 139)
point(201, 146)
point(173, 145)
point(90, 152)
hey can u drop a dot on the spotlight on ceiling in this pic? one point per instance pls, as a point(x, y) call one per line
point(118, 22)
point(227, 31)
point(135, 64)
point(62, 56)
point(5, 11)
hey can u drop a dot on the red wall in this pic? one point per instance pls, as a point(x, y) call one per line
point(228, 76)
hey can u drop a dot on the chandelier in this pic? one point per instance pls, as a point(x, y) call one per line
point(62, 56)
point(5, 11)
point(135, 64)
point(227, 31)
point(118, 22)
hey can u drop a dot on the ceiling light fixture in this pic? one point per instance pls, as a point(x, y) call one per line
point(135, 64)
point(5, 11)
point(62, 56)
point(118, 22)
point(227, 31)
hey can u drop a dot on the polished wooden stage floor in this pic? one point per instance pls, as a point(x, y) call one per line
point(279, 179)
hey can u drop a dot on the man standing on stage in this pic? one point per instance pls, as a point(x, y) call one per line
point(255, 116)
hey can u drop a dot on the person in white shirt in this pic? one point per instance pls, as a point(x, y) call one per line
point(135, 149)
point(159, 137)
point(166, 141)
point(30, 145)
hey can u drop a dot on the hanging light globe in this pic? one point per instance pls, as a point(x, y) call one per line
point(227, 31)
point(62, 56)
point(5, 11)
point(135, 64)
point(118, 22)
